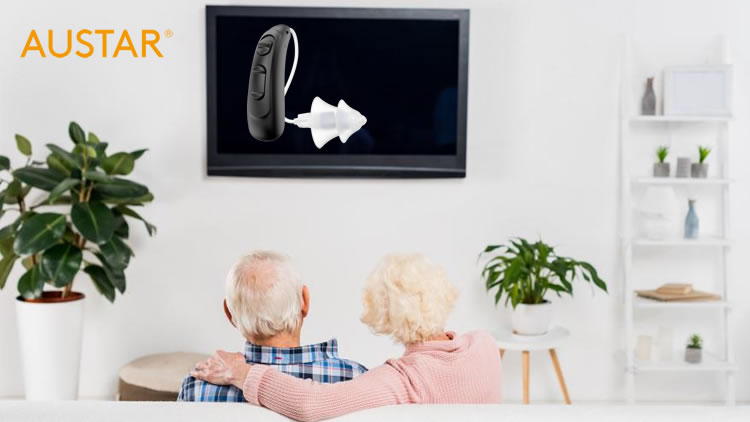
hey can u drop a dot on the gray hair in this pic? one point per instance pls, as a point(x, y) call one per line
point(264, 294)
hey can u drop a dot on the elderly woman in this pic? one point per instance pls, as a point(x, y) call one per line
point(408, 298)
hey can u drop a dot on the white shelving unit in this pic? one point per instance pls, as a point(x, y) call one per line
point(628, 124)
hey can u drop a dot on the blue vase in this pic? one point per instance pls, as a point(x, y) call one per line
point(691, 221)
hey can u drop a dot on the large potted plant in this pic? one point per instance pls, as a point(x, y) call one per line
point(65, 215)
point(524, 273)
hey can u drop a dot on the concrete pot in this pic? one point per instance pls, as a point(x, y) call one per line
point(50, 331)
point(699, 170)
point(531, 320)
point(661, 169)
point(693, 355)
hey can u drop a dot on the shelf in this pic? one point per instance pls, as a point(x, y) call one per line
point(710, 363)
point(688, 181)
point(680, 119)
point(643, 303)
point(704, 241)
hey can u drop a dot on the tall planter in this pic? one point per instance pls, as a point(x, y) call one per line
point(50, 333)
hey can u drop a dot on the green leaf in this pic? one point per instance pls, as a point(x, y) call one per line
point(30, 284)
point(87, 151)
point(6, 265)
point(4, 162)
point(150, 228)
point(93, 138)
point(61, 188)
point(122, 229)
point(137, 154)
point(67, 158)
point(97, 176)
point(6, 243)
point(115, 275)
point(116, 253)
point(56, 164)
point(94, 220)
point(130, 201)
point(119, 163)
point(76, 133)
point(60, 264)
point(38, 233)
point(121, 189)
point(40, 178)
point(28, 262)
point(102, 283)
point(23, 144)
point(101, 149)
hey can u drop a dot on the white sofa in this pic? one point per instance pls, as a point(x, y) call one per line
point(85, 411)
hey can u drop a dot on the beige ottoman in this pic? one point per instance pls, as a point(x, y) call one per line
point(156, 377)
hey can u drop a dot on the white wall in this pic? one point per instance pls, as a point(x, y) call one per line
point(542, 161)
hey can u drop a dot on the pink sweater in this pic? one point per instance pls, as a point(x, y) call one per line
point(463, 370)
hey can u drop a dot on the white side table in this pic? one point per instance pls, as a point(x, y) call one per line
point(506, 340)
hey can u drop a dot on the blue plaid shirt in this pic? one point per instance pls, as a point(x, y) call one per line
point(319, 362)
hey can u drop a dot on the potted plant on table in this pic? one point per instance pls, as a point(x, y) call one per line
point(661, 169)
point(524, 273)
point(700, 169)
point(68, 214)
point(694, 349)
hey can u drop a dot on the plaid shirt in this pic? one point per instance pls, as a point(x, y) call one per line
point(319, 362)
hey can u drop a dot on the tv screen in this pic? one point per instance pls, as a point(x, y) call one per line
point(405, 70)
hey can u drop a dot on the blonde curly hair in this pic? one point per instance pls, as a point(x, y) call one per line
point(407, 297)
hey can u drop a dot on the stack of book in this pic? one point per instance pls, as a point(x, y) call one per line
point(677, 292)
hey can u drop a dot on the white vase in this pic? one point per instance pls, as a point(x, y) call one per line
point(531, 320)
point(50, 335)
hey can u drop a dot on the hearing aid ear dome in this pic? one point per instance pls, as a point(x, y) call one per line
point(326, 121)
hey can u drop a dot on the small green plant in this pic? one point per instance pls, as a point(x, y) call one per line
point(703, 153)
point(78, 220)
point(524, 272)
point(695, 342)
point(662, 153)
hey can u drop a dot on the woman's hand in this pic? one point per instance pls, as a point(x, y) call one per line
point(223, 368)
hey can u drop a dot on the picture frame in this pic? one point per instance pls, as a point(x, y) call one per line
point(704, 90)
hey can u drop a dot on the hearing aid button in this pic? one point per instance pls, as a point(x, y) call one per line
point(258, 82)
point(264, 45)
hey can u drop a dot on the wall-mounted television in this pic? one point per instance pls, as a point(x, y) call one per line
point(405, 70)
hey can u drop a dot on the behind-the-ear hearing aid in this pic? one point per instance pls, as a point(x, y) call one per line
point(266, 90)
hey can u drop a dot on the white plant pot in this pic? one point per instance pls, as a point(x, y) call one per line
point(50, 335)
point(531, 320)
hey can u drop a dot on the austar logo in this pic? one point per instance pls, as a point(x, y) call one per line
point(98, 41)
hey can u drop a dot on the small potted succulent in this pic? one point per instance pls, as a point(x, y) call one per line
point(694, 349)
point(700, 169)
point(524, 272)
point(661, 169)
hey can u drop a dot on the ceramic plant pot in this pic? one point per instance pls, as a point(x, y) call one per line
point(661, 169)
point(693, 355)
point(531, 320)
point(699, 170)
point(683, 167)
point(50, 331)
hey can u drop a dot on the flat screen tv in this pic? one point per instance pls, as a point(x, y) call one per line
point(405, 70)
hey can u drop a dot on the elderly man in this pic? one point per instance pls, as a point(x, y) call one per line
point(266, 301)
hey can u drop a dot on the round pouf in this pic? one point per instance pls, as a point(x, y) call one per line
point(156, 377)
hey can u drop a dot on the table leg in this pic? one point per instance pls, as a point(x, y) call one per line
point(525, 356)
point(502, 352)
point(553, 355)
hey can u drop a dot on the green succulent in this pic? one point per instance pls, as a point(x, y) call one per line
point(662, 153)
point(703, 153)
point(695, 342)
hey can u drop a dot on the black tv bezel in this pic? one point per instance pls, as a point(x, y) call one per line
point(303, 165)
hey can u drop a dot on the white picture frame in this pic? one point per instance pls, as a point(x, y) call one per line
point(698, 90)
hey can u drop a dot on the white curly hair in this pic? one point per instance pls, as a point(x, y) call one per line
point(407, 297)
